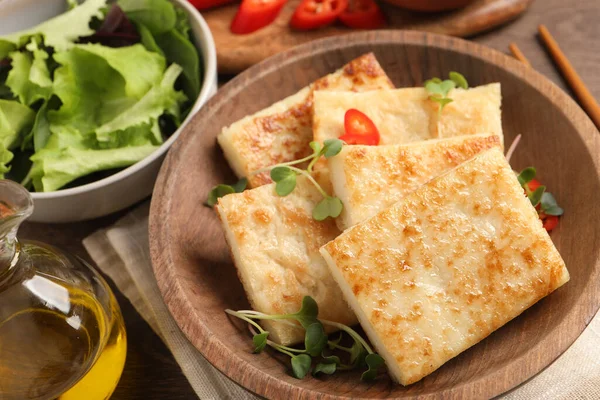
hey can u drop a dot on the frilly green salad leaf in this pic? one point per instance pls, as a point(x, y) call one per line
point(158, 100)
point(60, 32)
point(29, 78)
point(54, 168)
point(15, 120)
point(158, 16)
point(179, 50)
point(82, 107)
point(139, 68)
point(165, 29)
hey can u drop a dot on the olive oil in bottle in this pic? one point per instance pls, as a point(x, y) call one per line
point(62, 335)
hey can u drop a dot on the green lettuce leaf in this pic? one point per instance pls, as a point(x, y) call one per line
point(59, 32)
point(162, 97)
point(15, 118)
point(95, 85)
point(54, 168)
point(140, 69)
point(20, 165)
point(165, 29)
point(157, 15)
point(39, 74)
point(6, 156)
point(40, 132)
point(147, 39)
point(6, 48)
point(5, 92)
point(179, 50)
point(139, 135)
point(29, 78)
point(182, 25)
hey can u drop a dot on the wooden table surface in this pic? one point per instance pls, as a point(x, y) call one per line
point(150, 371)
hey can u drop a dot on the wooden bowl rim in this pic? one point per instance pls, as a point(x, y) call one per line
point(261, 383)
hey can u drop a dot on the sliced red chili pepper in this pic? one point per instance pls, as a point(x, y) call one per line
point(363, 14)
point(533, 184)
point(359, 129)
point(550, 222)
point(313, 14)
point(255, 14)
point(204, 4)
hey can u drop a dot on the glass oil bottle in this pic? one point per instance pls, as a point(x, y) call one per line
point(62, 335)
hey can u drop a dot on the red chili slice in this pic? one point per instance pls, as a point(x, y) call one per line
point(533, 184)
point(363, 14)
point(313, 14)
point(359, 129)
point(255, 14)
point(550, 222)
point(204, 4)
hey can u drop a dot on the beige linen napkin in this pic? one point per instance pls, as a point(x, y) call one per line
point(121, 251)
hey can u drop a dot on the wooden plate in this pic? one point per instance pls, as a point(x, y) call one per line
point(192, 263)
point(238, 52)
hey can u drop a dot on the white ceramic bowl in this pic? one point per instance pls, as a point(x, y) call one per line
point(136, 182)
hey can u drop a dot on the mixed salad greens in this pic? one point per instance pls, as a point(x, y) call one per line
point(95, 89)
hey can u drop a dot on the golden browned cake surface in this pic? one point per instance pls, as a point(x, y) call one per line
point(369, 179)
point(407, 115)
point(283, 131)
point(275, 246)
point(446, 266)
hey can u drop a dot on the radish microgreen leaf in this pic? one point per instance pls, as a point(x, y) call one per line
point(316, 146)
point(544, 202)
point(217, 192)
point(240, 185)
point(223, 190)
point(315, 342)
point(315, 339)
point(374, 362)
point(439, 89)
point(357, 354)
point(549, 206)
point(526, 175)
point(260, 341)
point(328, 207)
point(331, 359)
point(301, 365)
point(332, 147)
point(285, 180)
point(536, 196)
point(458, 79)
point(284, 175)
point(308, 312)
point(326, 368)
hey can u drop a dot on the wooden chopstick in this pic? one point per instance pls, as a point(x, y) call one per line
point(586, 99)
point(518, 54)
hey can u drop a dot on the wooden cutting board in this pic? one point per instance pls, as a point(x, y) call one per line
point(238, 52)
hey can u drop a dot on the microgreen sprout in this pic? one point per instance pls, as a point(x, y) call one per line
point(544, 201)
point(438, 89)
point(284, 175)
point(317, 346)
